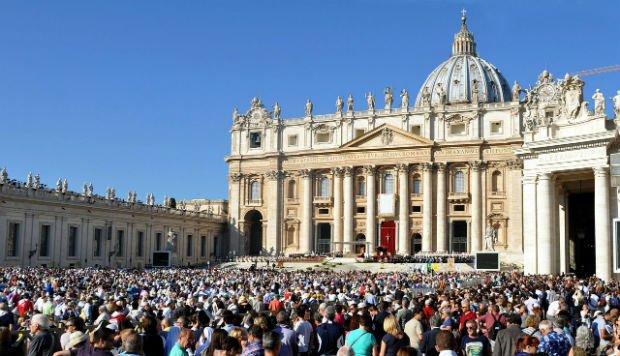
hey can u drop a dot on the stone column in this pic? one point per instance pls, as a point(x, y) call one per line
point(544, 220)
point(371, 199)
point(476, 207)
point(427, 211)
point(530, 250)
point(337, 211)
point(403, 209)
point(349, 199)
point(602, 223)
point(442, 237)
point(563, 256)
point(305, 235)
point(274, 199)
point(234, 219)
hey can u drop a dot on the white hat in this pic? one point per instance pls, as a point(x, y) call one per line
point(76, 338)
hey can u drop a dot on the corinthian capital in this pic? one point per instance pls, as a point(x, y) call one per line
point(348, 171)
point(402, 167)
point(235, 177)
point(273, 175)
point(370, 170)
point(476, 165)
point(427, 166)
point(305, 173)
point(337, 171)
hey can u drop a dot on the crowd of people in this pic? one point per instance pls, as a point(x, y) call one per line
point(181, 312)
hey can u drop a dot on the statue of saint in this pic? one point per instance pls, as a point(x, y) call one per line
point(516, 91)
point(91, 190)
point(441, 93)
point(235, 115)
point(404, 97)
point(599, 102)
point(339, 105)
point(37, 182)
point(371, 101)
point(84, 190)
point(255, 103)
point(58, 185)
point(4, 176)
point(308, 108)
point(350, 103)
point(474, 92)
point(389, 97)
point(276, 110)
point(616, 100)
point(29, 180)
point(426, 97)
point(490, 238)
point(65, 186)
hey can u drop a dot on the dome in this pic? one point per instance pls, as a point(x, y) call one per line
point(464, 77)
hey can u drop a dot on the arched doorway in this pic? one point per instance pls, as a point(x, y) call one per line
point(416, 243)
point(254, 232)
point(360, 249)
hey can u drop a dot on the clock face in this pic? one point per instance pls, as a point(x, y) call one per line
point(546, 92)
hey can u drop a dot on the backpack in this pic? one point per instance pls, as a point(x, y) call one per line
point(495, 328)
point(348, 350)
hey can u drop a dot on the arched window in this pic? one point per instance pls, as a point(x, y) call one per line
point(254, 191)
point(361, 186)
point(459, 182)
point(324, 187)
point(388, 184)
point(417, 184)
point(496, 182)
point(292, 189)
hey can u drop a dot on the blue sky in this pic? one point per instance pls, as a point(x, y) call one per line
point(138, 94)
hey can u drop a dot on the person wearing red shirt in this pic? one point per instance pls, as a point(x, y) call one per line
point(276, 305)
point(466, 315)
point(428, 310)
point(24, 306)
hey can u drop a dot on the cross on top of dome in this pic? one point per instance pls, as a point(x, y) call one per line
point(464, 41)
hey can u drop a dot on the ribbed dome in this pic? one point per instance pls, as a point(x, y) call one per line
point(457, 79)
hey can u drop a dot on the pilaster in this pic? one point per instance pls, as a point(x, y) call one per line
point(349, 198)
point(403, 208)
point(371, 199)
point(427, 212)
point(442, 237)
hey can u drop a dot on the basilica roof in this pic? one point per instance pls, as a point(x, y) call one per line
point(464, 77)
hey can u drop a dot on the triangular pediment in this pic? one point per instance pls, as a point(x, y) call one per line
point(387, 136)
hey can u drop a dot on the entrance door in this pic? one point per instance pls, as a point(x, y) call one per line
point(388, 236)
point(416, 243)
point(324, 231)
point(254, 231)
point(581, 233)
point(361, 248)
point(459, 236)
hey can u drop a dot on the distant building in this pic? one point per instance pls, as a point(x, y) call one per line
point(61, 228)
point(471, 157)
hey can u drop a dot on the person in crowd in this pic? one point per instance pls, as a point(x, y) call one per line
point(526, 345)
point(184, 341)
point(445, 343)
point(428, 346)
point(552, 343)
point(414, 328)
point(255, 342)
point(217, 346)
point(6, 343)
point(506, 339)
point(133, 345)
point(288, 339)
point(474, 344)
point(330, 336)
point(394, 338)
point(303, 331)
point(584, 342)
point(43, 343)
point(271, 343)
point(361, 340)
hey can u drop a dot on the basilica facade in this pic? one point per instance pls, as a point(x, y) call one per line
point(470, 157)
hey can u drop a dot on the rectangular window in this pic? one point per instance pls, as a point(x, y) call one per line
point(73, 241)
point(203, 246)
point(292, 140)
point(496, 127)
point(322, 137)
point(459, 207)
point(44, 243)
point(255, 140)
point(189, 245)
point(323, 211)
point(98, 242)
point(416, 209)
point(416, 130)
point(12, 245)
point(361, 209)
point(140, 252)
point(120, 242)
point(158, 241)
point(458, 130)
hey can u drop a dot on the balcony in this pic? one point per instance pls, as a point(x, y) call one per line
point(255, 202)
point(320, 200)
point(458, 197)
point(292, 200)
point(497, 194)
point(360, 197)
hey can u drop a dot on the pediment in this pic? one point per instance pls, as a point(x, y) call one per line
point(387, 136)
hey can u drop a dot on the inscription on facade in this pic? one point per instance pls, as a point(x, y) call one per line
point(358, 157)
